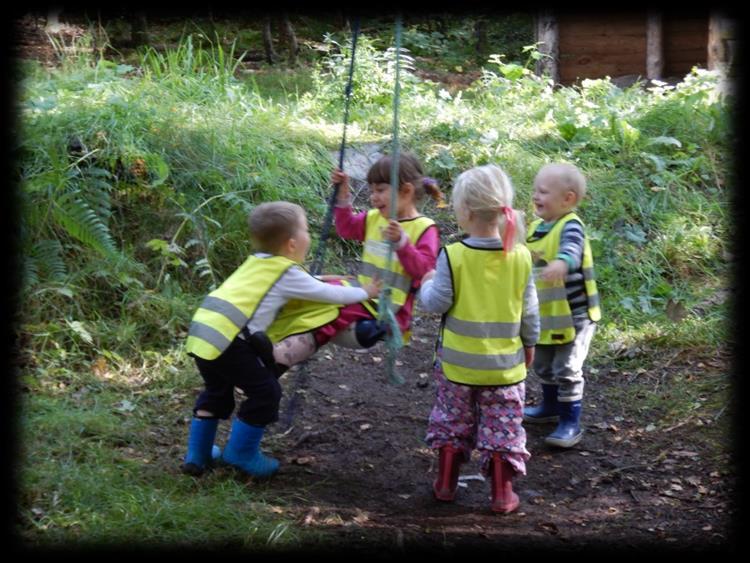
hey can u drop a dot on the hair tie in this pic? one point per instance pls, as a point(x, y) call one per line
point(509, 233)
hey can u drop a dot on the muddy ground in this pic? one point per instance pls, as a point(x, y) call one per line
point(355, 465)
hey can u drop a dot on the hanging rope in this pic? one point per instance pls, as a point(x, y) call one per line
point(301, 379)
point(328, 221)
point(394, 338)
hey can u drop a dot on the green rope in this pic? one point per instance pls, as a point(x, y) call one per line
point(394, 338)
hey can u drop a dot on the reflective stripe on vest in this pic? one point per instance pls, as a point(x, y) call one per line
point(480, 333)
point(375, 258)
point(556, 321)
point(226, 310)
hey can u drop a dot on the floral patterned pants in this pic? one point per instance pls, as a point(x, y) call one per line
point(488, 418)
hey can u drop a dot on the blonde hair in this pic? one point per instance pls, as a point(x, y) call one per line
point(273, 223)
point(485, 191)
point(567, 177)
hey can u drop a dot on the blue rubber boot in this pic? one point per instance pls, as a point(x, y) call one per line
point(243, 450)
point(368, 332)
point(547, 411)
point(201, 449)
point(568, 432)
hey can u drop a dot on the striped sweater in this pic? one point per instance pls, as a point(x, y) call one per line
point(571, 251)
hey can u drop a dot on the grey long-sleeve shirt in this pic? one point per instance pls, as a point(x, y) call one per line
point(436, 295)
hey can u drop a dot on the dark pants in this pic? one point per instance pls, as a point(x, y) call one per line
point(239, 366)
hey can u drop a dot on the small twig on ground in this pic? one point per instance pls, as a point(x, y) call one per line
point(597, 478)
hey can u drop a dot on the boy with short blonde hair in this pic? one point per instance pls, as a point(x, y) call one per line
point(568, 300)
point(228, 341)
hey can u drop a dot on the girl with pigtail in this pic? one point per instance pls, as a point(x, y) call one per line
point(415, 239)
point(483, 286)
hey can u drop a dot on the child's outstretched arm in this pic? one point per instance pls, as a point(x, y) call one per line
point(349, 225)
point(436, 293)
point(569, 255)
point(299, 284)
point(420, 257)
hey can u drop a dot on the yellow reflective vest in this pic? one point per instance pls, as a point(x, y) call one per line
point(556, 320)
point(226, 310)
point(375, 258)
point(298, 316)
point(480, 333)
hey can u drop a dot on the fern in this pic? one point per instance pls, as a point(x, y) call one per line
point(76, 216)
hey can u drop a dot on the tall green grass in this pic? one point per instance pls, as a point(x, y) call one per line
point(173, 153)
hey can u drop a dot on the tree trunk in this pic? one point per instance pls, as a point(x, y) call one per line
point(291, 39)
point(547, 34)
point(268, 41)
point(138, 29)
point(480, 33)
point(654, 46)
point(53, 20)
point(721, 41)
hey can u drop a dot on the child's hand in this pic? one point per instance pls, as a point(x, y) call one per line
point(393, 232)
point(373, 288)
point(529, 356)
point(341, 178)
point(428, 276)
point(554, 271)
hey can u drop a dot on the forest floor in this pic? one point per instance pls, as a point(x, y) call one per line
point(355, 462)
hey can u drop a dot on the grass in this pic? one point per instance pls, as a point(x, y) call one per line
point(99, 451)
point(124, 236)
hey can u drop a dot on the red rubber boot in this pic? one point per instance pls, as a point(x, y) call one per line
point(504, 500)
point(446, 483)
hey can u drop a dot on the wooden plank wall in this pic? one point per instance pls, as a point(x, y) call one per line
point(685, 43)
point(614, 44)
point(599, 45)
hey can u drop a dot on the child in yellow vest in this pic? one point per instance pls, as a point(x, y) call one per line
point(416, 242)
point(228, 342)
point(484, 287)
point(568, 300)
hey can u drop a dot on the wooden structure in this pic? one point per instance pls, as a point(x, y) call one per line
point(645, 44)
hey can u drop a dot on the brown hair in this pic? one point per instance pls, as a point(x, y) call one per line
point(273, 223)
point(409, 171)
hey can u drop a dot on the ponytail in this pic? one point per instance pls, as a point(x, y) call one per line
point(431, 187)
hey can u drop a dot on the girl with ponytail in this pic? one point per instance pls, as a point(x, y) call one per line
point(483, 286)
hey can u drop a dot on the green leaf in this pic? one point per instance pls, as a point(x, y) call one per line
point(158, 168)
point(80, 330)
point(81, 222)
point(512, 71)
point(567, 130)
point(124, 69)
point(635, 234)
point(664, 141)
point(158, 245)
point(658, 162)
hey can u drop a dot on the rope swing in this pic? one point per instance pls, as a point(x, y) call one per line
point(394, 339)
point(327, 223)
point(386, 317)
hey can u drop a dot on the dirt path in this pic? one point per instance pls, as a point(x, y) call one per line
point(356, 467)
